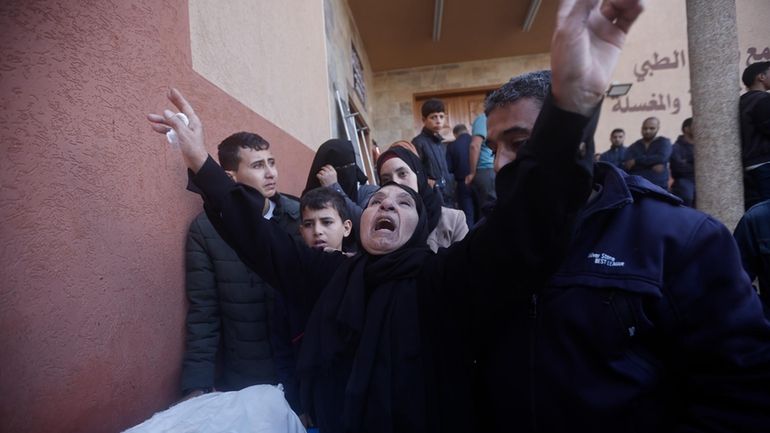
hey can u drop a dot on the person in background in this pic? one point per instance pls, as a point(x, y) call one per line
point(682, 163)
point(481, 178)
point(615, 155)
point(457, 154)
point(755, 133)
point(431, 149)
point(648, 156)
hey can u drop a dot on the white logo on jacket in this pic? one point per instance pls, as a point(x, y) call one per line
point(605, 259)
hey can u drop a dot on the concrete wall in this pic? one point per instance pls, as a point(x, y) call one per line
point(341, 31)
point(394, 90)
point(271, 56)
point(93, 208)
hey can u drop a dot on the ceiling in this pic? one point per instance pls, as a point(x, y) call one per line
point(398, 34)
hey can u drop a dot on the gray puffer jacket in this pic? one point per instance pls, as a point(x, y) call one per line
point(227, 320)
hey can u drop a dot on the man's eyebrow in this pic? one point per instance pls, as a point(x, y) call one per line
point(517, 130)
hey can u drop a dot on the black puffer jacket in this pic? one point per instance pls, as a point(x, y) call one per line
point(755, 127)
point(227, 299)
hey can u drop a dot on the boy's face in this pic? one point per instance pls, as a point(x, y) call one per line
point(434, 121)
point(323, 228)
point(257, 169)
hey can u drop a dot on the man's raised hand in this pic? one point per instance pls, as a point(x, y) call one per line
point(586, 44)
point(190, 136)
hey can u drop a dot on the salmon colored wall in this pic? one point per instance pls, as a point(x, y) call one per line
point(93, 209)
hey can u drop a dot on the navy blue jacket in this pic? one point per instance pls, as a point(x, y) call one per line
point(649, 325)
point(458, 156)
point(753, 237)
point(755, 127)
point(615, 156)
point(682, 159)
point(658, 153)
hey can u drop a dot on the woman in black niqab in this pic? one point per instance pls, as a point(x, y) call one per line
point(340, 155)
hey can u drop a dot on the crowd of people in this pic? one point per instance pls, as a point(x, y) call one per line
point(508, 280)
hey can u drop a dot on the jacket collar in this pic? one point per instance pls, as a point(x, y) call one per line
point(617, 189)
point(432, 135)
point(284, 206)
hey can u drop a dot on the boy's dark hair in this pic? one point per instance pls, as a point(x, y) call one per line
point(459, 129)
point(751, 72)
point(323, 197)
point(687, 123)
point(431, 106)
point(617, 130)
point(229, 148)
point(534, 85)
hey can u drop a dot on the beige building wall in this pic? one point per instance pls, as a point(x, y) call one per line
point(341, 34)
point(393, 95)
point(270, 56)
point(753, 31)
point(653, 62)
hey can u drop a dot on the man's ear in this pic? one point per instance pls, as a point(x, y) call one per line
point(347, 225)
point(232, 175)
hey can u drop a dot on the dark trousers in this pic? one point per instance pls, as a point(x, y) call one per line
point(756, 185)
point(464, 197)
point(684, 189)
point(484, 189)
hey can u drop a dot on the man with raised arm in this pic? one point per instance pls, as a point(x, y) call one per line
point(648, 324)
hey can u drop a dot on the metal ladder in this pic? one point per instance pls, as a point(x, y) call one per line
point(357, 137)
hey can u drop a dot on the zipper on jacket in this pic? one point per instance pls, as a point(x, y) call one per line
point(532, 335)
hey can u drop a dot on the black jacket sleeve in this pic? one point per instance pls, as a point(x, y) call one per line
point(203, 324)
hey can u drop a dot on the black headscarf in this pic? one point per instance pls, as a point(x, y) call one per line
point(430, 198)
point(339, 154)
point(362, 313)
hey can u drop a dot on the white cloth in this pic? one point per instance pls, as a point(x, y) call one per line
point(256, 409)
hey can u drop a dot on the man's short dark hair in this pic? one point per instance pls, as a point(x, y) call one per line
point(535, 85)
point(459, 129)
point(230, 147)
point(323, 197)
point(752, 71)
point(687, 123)
point(431, 106)
point(617, 130)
